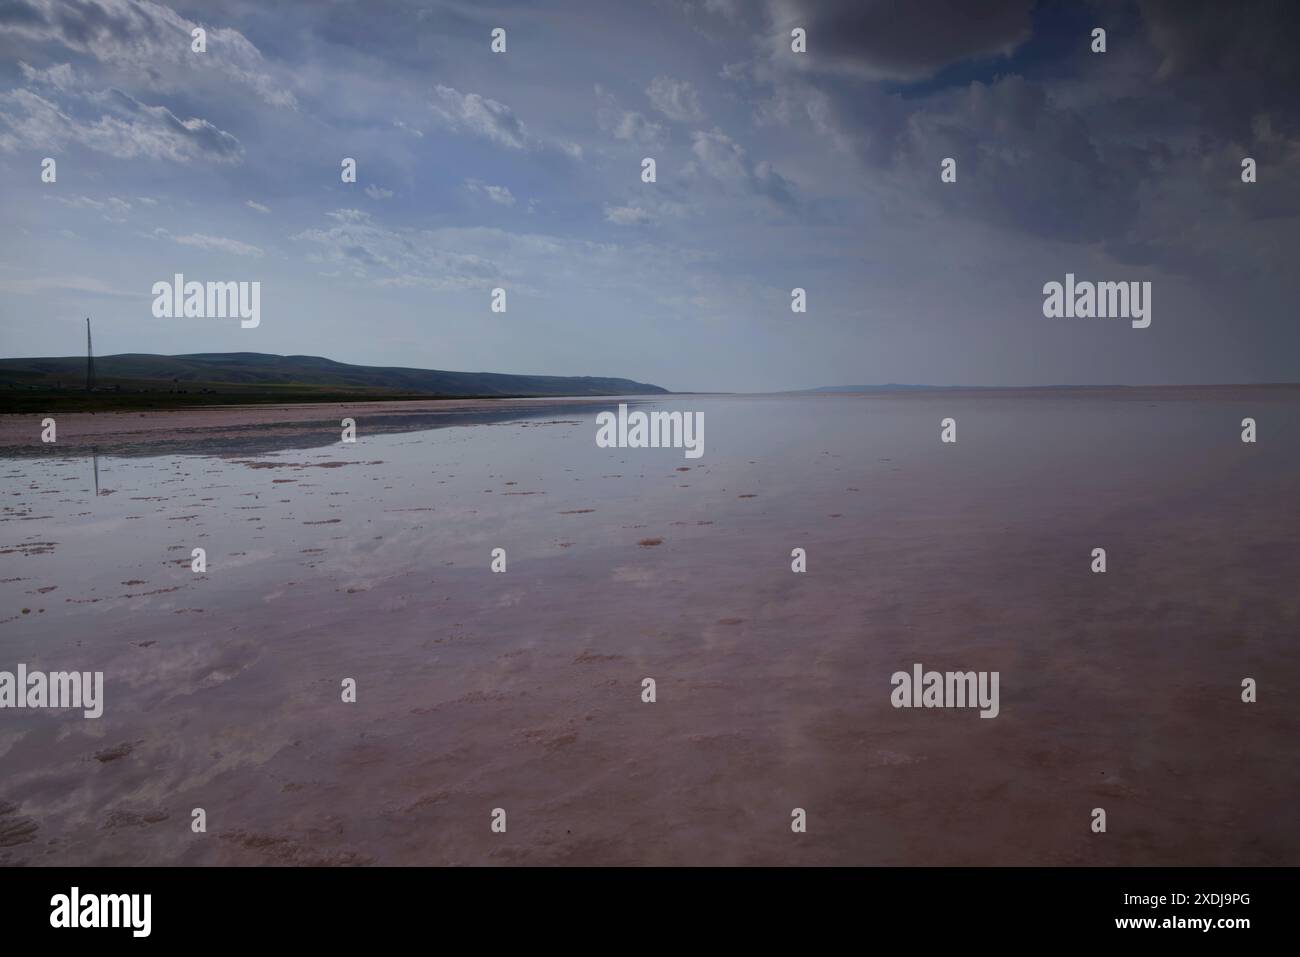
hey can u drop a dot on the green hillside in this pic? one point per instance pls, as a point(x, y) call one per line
point(139, 380)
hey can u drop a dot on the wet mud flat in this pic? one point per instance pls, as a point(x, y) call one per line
point(523, 690)
point(222, 429)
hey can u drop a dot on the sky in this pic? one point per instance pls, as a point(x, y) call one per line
point(522, 170)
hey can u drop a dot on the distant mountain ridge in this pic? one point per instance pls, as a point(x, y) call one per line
point(896, 387)
point(893, 387)
point(887, 387)
point(901, 387)
point(251, 372)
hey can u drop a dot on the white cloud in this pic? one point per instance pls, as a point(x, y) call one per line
point(85, 202)
point(722, 159)
point(720, 156)
point(493, 121)
point(145, 41)
point(349, 216)
point(125, 128)
point(649, 209)
point(112, 209)
point(675, 99)
point(627, 215)
point(498, 194)
point(60, 77)
point(257, 206)
point(378, 192)
point(451, 259)
point(627, 125)
point(735, 72)
point(212, 243)
point(484, 117)
point(400, 258)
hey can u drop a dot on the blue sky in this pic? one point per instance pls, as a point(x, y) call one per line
point(775, 170)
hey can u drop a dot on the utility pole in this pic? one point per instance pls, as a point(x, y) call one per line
point(90, 360)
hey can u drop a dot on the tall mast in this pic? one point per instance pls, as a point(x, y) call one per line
point(90, 360)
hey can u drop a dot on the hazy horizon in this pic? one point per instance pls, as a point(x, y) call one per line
point(838, 387)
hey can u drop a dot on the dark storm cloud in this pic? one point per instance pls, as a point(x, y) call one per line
point(1223, 84)
point(1133, 149)
point(1254, 41)
point(903, 41)
point(1233, 62)
point(1025, 163)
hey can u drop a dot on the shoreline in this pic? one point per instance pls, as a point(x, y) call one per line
point(109, 431)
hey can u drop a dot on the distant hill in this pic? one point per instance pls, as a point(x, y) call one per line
point(1135, 390)
point(896, 387)
point(140, 379)
point(888, 387)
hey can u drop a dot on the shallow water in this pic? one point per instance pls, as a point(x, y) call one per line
point(522, 690)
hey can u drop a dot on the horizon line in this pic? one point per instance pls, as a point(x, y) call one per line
point(825, 389)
